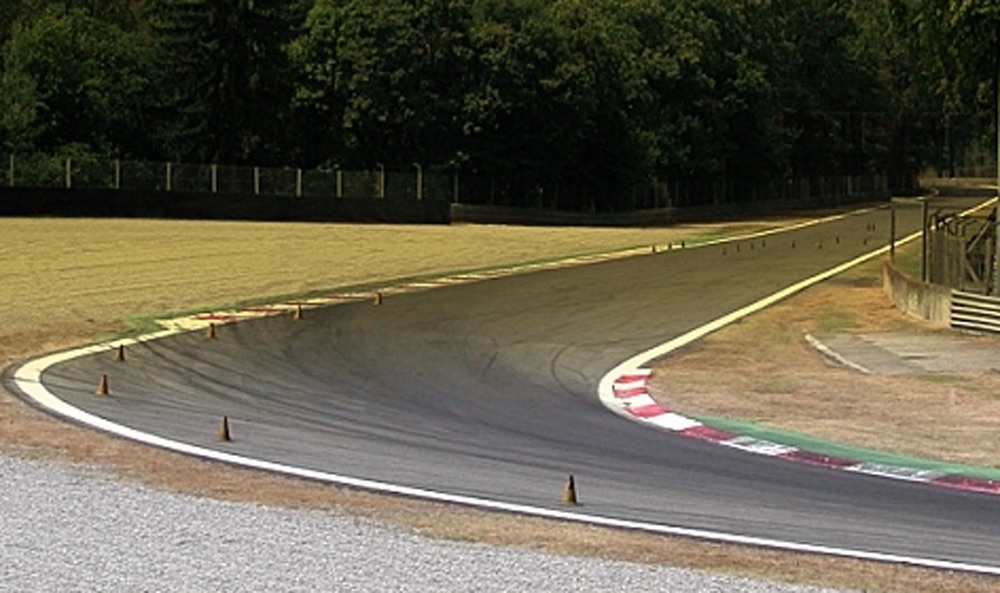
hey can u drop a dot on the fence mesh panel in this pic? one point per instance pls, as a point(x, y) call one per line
point(38, 170)
point(277, 182)
point(319, 184)
point(361, 184)
point(435, 183)
point(186, 177)
point(140, 175)
point(235, 180)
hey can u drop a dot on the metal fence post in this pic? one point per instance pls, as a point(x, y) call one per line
point(340, 184)
point(892, 231)
point(381, 180)
point(454, 188)
point(256, 181)
point(169, 176)
point(214, 172)
point(118, 173)
point(995, 285)
point(10, 179)
point(420, 181)
point(924, 209)
point(69, 172)
point(298, 183)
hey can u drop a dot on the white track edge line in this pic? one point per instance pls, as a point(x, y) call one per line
point(835, 357)
point(27, 377)
point(631, 365)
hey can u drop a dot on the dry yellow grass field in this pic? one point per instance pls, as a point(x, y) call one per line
point(69, 282)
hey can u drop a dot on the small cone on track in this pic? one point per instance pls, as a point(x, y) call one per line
point(378, 298)
point(224, 435)
point(102, 386)
point(297, 315)
point(569, 494)
point(120, 353)
point(210, 334)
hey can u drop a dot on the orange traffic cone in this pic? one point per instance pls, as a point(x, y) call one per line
point(224, 430)
point(569, 495)
point(102, 386)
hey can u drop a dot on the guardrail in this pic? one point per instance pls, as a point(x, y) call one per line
point(975, 312)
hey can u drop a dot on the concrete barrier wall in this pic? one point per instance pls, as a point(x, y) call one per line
point(225, 206)
point(195, 206)
point(484, 214)
point(921, 299)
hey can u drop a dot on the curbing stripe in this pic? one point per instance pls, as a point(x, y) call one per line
point(630, 371)
point(648, 411)
point(27, 379)
point(708, 433)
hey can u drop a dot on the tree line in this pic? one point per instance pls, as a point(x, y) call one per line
point(587, 99)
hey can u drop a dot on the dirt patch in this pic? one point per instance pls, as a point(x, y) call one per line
point(108, 271)
point(763, 370)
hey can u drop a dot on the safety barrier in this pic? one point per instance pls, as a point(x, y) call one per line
point(975, 312)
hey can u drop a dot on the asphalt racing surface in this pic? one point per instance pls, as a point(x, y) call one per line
point(489, 389)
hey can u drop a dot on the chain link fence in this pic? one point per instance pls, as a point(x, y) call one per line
point(40, 171)
point(960, 250)
point(419, 183)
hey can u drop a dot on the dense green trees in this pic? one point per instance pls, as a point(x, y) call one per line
point(559, 103)
point(224, 87)
point(73, 80)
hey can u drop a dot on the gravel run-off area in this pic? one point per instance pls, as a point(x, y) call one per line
point(66, 527)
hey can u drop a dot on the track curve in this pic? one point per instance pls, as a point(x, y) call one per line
point(489, 390)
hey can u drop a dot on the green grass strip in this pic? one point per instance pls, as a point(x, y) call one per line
point(818, 445)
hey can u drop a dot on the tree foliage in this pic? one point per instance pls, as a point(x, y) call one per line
point(72, 79)
point(558, 103)
point(224, 88)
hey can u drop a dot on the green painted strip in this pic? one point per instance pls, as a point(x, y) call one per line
point(818, 445)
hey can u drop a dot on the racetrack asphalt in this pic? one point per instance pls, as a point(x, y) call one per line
point(489, 389)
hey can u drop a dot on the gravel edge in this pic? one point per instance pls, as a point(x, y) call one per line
point(69, 527)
